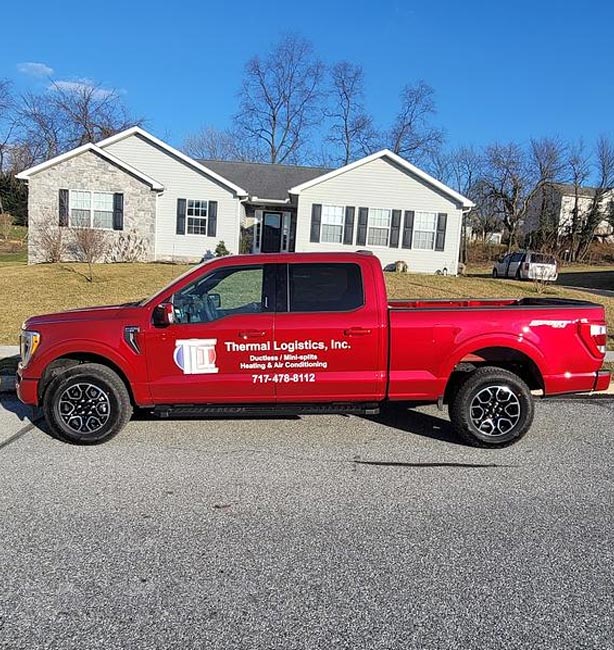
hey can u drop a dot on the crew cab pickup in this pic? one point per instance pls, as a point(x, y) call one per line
point(306, 333)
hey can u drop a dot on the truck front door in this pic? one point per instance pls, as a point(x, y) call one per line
point(330, 335)
point(223, 329)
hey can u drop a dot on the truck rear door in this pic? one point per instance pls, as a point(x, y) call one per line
point(330, 334)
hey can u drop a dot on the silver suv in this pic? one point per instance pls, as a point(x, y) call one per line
point(526, 265)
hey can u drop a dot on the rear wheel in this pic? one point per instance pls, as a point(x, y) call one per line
point(87, 404)
point(492, 407)
point(495, 274)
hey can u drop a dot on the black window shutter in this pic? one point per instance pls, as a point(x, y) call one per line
point(181, 206)
point(348, 228)
point(361, 233)
point(316, 219)
point(212, 219)
point(395, 229)
point(408, 229)
point(63, 208)
point(118, 211)
point(440, 239)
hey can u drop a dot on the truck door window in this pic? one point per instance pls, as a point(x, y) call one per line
point(224, 292)
point(324, 287)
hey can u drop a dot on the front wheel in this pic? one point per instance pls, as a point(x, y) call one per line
point(492, 408)
point(87, 404)
point(495, 273)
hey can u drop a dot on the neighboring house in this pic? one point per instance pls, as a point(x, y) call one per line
point(134, 185)
point(555, 203)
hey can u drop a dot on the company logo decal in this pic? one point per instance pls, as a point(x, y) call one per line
point(196, 356)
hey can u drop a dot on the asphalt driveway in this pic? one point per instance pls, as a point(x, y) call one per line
point(312, 532)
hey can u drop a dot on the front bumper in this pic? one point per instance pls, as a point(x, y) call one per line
point(27, 390)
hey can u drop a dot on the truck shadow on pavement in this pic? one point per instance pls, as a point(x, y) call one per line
point(10, 403)
point(405, 420)
point(417, 423)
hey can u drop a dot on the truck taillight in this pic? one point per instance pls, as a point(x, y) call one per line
point(595, 337)
point(526, 266)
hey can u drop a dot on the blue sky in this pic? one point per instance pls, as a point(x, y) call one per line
point(501, 70)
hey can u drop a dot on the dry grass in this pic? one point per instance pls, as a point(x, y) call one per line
point(436, 286)
point(42, 288)
point(27, 290)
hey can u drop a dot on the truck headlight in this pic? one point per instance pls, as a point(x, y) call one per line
point(28, 342)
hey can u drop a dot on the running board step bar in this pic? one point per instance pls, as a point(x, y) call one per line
point(242, 410)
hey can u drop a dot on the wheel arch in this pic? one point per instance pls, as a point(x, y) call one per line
point(502, 354)
point(71, 359)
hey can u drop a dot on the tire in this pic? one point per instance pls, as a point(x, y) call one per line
point(495, 392)
point(495, 273)
point(517, 276)
point(99, 397)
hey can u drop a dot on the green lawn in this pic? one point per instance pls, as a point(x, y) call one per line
point(27, 290)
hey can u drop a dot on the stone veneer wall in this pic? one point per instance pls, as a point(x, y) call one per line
point(89, 171)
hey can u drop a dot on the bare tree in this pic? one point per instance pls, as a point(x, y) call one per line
point(599, 205)
point(483, 217)
point(280, 100)
point(352, 129)
point(461, 168)
point(90, 245)
point(412, 135)
point(7, 123)
point(514, 176)
point(69, 114)
point(214, 144)
point(579, 170)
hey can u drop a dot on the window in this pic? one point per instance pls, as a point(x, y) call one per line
point(91, 209)
point(332, 224)
point(222, 293)
point(197, 217)
point(325, 287)
point(379, 227)
point(425, 225)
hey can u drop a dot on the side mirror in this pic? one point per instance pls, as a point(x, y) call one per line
point(164, 314)
point(215, 300)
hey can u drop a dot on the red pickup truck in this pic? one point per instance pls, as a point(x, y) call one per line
point(306, 333)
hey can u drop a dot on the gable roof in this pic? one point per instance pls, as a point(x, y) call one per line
point(569, 189)
point(137, 130)
point(25, 175)
point(265, 180)
point(401, 162)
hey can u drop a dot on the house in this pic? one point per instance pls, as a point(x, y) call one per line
point(553, 207)
point(135, 186)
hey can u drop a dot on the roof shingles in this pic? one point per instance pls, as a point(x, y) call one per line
point(264, 180)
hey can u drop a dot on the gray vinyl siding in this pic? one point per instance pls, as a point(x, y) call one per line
point(381, 184)
point(181, 181)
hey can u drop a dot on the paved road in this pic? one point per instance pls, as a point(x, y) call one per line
point(318, 532)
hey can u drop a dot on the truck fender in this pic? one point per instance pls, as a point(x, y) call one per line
point(494, 341)
point(88, 348)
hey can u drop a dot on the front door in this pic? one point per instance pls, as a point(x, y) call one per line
point(271, 232)
point(223, 330)
point(330, 344)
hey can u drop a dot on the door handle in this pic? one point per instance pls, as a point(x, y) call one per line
point(252, 334)
point(357, 331)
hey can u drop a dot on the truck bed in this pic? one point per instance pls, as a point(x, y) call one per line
point(489, 303)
